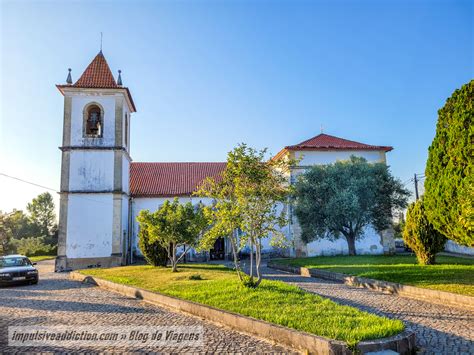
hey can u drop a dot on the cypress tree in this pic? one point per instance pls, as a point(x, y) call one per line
point(449, 185)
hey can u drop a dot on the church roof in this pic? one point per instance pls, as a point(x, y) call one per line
point(170, 179)
point(327, 142)
point(98, 76)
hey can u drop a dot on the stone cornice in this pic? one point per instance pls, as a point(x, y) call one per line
point(82, 147)
point(93, 192)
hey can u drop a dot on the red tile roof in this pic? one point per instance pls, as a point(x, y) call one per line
point(327, 142)
point(98, 76)
point(170, 179)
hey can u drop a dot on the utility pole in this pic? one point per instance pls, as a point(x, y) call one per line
point(416, 187)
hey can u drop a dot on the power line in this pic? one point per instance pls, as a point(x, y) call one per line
point(29, 182)
point(49, 188)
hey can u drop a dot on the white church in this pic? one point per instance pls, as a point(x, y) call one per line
point(102, 190)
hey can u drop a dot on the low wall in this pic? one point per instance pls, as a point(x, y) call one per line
point(433, 296)
point(404, 343)
point(454, 247)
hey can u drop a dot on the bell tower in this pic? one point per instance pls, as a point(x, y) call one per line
point(94, 198)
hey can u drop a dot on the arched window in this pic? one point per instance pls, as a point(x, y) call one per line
point(94, 121)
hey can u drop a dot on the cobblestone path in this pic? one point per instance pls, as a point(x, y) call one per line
point(59, 301)
point(439, 329)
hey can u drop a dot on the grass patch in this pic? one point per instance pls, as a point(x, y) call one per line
point(451, 274)
point(272, 301)
point(35, 259)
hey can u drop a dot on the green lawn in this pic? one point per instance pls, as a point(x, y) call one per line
point(451, 274)
point(272, 301)
point(41, 258)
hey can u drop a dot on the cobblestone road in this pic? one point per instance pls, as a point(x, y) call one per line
point(439, 329)
point(59, 301)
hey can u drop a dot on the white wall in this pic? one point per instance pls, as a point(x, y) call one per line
point(329, 157)
point(371, 243)
point(89, 225)
point(92, 170)
point(453, 247)
point(77, 120)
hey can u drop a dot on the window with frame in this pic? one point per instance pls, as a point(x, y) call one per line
point(94, 122)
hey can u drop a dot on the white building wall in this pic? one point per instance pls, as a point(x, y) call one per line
point(329, 157)
point(371, 243)
point(91, 170)
point(454, 247)
point(89, 225)
point(79, 102)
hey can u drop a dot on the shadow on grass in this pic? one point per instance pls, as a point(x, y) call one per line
point(197, 267)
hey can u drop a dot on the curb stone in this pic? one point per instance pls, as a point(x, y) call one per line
point(423, 294)
point(403, 343)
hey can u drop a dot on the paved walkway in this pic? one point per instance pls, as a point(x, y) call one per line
point(57, 300)
point(439, 329)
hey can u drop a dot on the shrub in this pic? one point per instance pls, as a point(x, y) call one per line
point(153, 252)
point(421, 236)
point(32, 246)
point(174, 225)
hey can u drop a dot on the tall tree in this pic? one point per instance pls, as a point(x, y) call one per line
point(42, 214)
point(342, 199)
point(174, 225)
point(449, 184)
point(224, 215)
point(21, 225)
point(248, 198)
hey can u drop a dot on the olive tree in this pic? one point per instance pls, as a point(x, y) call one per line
point(342, 199)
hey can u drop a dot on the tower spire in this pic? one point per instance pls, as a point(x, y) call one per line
point(101, 35)
point(69, 78)
point(119, 79)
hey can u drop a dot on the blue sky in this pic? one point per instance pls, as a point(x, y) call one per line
point(206, 75)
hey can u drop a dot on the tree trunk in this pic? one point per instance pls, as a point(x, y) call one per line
point(351, 244)
point(233, 243)
point(258, 262)
point(251, 259)
point(426, 258)
point(174, 262)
